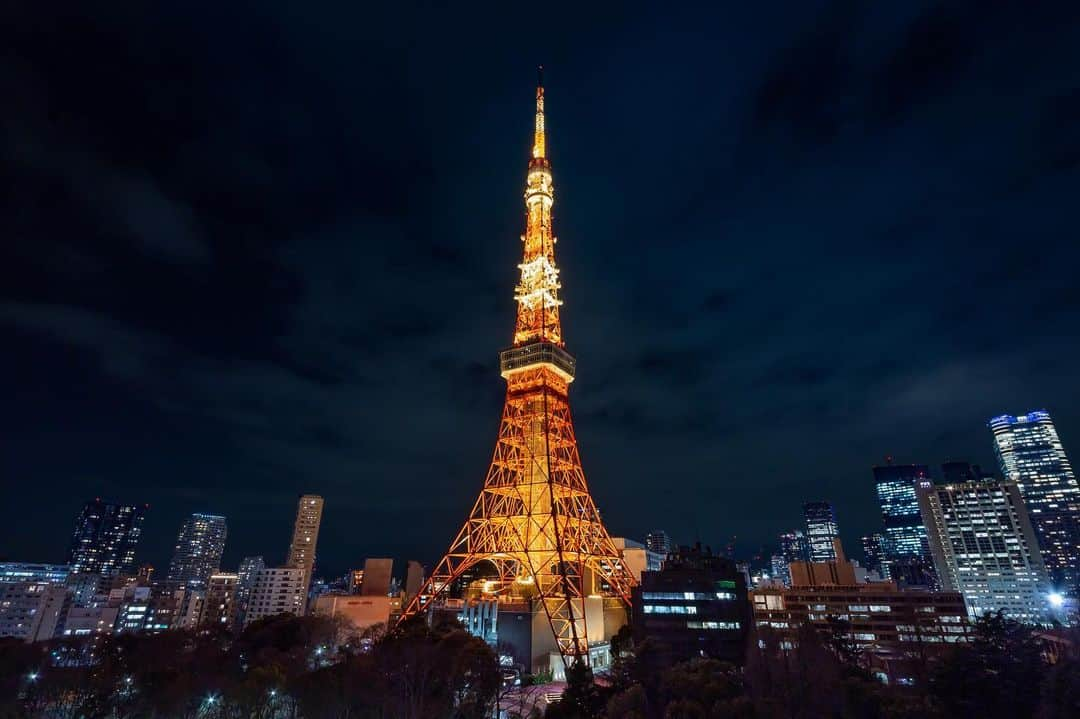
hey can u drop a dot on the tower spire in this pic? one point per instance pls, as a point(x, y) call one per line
point(539, 138)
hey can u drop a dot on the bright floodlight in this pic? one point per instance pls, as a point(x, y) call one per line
point(1056, 599)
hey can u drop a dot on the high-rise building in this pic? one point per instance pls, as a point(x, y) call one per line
point(377, 575)
point(198, 550)
point(906, 554)
point(873, 547)
point(821, 530)
point(794, 546)
point(305, 534)
point(905, 535)
point(219, 606)
point(277, 590)
point(658, 541)
point(778, 565)
point(983, 546)
point(1031, 454)
point(106, 534)
point(244, 581)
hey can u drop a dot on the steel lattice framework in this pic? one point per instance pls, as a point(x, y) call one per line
point(535, 522)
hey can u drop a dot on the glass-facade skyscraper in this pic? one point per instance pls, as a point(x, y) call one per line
point(658, 541)
point(106, 534)
point(1031, 454)
point(873, 547)
point(905, 535)
point(794, 546)
point(821, 530)
point(198, 550)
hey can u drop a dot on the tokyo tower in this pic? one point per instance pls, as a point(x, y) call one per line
point(535, 531)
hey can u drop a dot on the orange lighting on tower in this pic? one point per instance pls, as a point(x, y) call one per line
point(535, 524)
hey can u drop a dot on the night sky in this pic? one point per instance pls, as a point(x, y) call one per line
point(249, 252)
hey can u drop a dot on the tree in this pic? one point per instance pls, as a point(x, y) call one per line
point(581, 699)
point(998, 674)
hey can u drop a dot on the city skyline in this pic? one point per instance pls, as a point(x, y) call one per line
point(788, 260)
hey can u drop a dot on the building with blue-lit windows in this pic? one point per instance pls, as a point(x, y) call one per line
point(695, 606)
point(905, 552)
point(33, 572)
point(105, 537)
point(198, 550)
point(1031, 454)
point(821, 531)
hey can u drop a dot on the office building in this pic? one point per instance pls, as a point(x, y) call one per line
point(146, 609)
point(983, 546)
point(821, 530)
point(277, 590)
point(695, 606)
point(905, 552)
point(219, 607)
point(198, 550)
point(31, 611)
point(794, 546)
point(33, 572)
point(377, 573)
point(1031, 454)
point(358, 613)
point(905, 535)
point(106, 534)
point(637, 557)
point(889, 625)
point(778, 566)
point(305, 536)
point(873, 546)
point(659, 542)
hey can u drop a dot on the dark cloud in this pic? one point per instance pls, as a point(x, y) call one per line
point(255, 252)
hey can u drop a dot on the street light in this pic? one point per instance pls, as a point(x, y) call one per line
point(1057, 600)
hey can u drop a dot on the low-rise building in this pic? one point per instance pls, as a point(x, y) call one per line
point(886, 625)
point(356, 612)
point(94, 620)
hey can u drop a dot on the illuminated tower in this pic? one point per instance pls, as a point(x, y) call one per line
point(535, 528)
